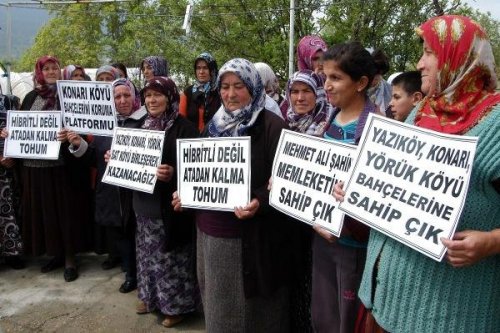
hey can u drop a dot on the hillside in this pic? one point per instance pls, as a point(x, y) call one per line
point(25, 25)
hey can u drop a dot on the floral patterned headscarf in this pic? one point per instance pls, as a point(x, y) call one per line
point(212, 67)
point(236, 123)
point(306, 49)
point(167, 87)
point(47, 91)
point(158, 63)
point(466, 75)
point(316, 121)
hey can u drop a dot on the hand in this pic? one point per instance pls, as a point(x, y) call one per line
point(62, 135)
point(176, 202)
point(4, 134)
point(270, 184)
point(107, 156)
point(338, 192)
point(248, 211)
point(164, 172)
point(74, 139)
point(324, 233)
point(470, 246)
point(7, 162)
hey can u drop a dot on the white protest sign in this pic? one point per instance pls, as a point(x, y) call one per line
point(33, 134)
point(410, 183)
point(88, 107)
point(214, 173)
point(135, 157)
point(305, 169)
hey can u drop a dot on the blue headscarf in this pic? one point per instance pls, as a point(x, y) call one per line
point(205, 87)
point(236, 123)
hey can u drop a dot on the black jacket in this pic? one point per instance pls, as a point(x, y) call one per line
point(113, 204)
point(194, 101)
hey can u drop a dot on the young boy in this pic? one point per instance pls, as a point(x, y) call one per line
point(406, 94)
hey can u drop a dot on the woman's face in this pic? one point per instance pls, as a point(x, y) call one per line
point(148, 71)
point(340, 87)
point(428, 67)
point(156, 102)
point(120, 72)
point(77, 75)
point(123, 100)
point(106, 77)
point(202, 71)
point(302, 97)
point(51, 72)
point(234, 92)
point(317, 62)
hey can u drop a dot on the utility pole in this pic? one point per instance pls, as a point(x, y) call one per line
point(290, 43)
point(9, 48)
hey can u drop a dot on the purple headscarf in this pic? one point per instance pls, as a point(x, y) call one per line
point(316, 121)
point(158, 63)
point(167, 87)
point(306, 49)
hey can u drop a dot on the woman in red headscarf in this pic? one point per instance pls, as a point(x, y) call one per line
point(404, 290)
point(55, 194)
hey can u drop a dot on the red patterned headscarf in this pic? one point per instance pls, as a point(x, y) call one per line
point(466, 79)
point(47, 91)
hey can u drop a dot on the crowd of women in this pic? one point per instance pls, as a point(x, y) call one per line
point(256, 269)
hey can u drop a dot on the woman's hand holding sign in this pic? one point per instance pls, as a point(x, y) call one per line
point(248, 211)
point(165, 172)
point(107, 156)
point(469, 246)
point(62, 135)
point(176, 202)
point(338, 192)
point(74, 139)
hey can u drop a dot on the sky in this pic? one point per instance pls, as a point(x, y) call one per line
point(493, 6)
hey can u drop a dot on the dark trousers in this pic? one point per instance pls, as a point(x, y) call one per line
point(336, 276)
point(123, 245)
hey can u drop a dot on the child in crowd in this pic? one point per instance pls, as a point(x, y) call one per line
point(406, 94)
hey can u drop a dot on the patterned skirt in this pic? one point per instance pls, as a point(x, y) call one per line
point(10, 234)
point(166, 281)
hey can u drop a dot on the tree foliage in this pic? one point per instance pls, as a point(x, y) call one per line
point(96, 34)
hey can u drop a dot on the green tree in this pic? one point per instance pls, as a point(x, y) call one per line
point(95, 34)
point(383, 24)
point(490, 25)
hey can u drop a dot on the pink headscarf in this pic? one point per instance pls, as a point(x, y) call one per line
point(46, 91)
point(306, 49)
